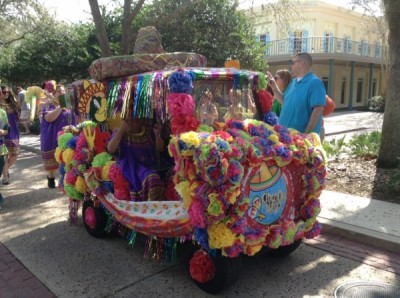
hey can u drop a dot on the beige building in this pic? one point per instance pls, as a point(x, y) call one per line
point(347, 56)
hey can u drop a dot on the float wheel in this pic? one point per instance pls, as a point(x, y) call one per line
point(94, 219)
point(226, 272)
point(285, 250)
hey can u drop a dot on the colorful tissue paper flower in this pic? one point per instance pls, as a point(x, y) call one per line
point(184, 123)
point(72, 193)
point(68, 155)
point(201, 236)
point(183, 189)
point(311, 208)
point(216, 206)
point(315, 231)
point(63, 140)
point(121, 185)
point(201, 267)
point(191, 138)
point(58, 154)
point(180, 103)
point(270, 118)
point(265, 99)
point(220, 236)
point(72, 142)
point(196, 214)
point(262, 81)
point(180, 82)
point(70, 178)
point(105, 171)
point(80, 185)
point(101, 159)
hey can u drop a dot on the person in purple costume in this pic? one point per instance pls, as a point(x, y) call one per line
point(135, 149)
point(11, 140)
point(54, 118)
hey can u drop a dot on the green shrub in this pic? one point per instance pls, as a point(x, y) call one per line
point(334, 147)
point(376, 103)
point(365, 145)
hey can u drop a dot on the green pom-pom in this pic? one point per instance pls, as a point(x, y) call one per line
point(262, 81)
point(87, 123)
point(101, 159)
point(72, 193)
point(63, 140)
point(205, 128)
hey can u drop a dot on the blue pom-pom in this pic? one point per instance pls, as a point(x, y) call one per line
point(180, 82)
point(271, 118)
point(72, 142)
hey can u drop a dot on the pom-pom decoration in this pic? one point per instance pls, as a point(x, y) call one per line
point(201, 267)
point(180, 82)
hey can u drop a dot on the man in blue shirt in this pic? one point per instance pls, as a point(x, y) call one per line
point(304, 99)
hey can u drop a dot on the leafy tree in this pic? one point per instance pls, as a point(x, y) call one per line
point(55, 51)
point(130, 11)
point(214, 28)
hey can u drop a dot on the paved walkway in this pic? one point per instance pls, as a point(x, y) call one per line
point(372, 222)
point(17, 281)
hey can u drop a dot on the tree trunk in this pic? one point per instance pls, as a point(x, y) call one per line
point(128, 17)
point(389, 152)
point(101, 32)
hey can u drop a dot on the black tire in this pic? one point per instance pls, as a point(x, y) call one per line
point(98, 219)
point(283, 251)
point(227, 272)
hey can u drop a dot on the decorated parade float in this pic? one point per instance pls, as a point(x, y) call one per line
point(234, 187)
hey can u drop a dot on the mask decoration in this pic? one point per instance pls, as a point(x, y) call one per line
point(93, 101)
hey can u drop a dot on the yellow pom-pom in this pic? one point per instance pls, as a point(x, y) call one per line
point(57, 154)
point(220, 236)
point(68, 155)
point(183, 189)
point(105, 171)
point(80, 185)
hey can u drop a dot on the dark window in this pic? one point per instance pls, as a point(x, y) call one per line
point(343, 91)
point(374, 87)
point(359, 90)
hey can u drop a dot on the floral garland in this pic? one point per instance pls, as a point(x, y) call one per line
point(212, 171)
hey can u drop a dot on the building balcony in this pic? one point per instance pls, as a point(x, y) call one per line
point(323, 48)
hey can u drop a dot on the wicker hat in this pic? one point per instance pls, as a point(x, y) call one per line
point(148, 41)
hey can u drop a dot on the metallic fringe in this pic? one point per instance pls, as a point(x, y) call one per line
point(161, 248)
point(73, 211)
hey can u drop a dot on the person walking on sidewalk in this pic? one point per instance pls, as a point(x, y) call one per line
point(304, 99)
point(54, 118)
point(3, 132)
point(25, 116)
point(11, 140)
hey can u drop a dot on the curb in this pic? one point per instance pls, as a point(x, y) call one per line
point(364, 235)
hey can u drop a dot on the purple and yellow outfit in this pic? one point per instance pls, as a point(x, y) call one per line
point(11, 140)
point(137, 154)
point(49, 133)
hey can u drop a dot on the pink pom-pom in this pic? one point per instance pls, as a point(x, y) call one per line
point(180, 103)
point(196, 214)
point(70, 178)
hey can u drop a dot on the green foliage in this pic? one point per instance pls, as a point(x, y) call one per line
point(214, 28)
point(377, 104)
point(334, 147)
point(54, 51)
point(365, 145)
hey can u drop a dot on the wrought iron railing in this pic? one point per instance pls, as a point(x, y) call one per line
point(323, 45)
